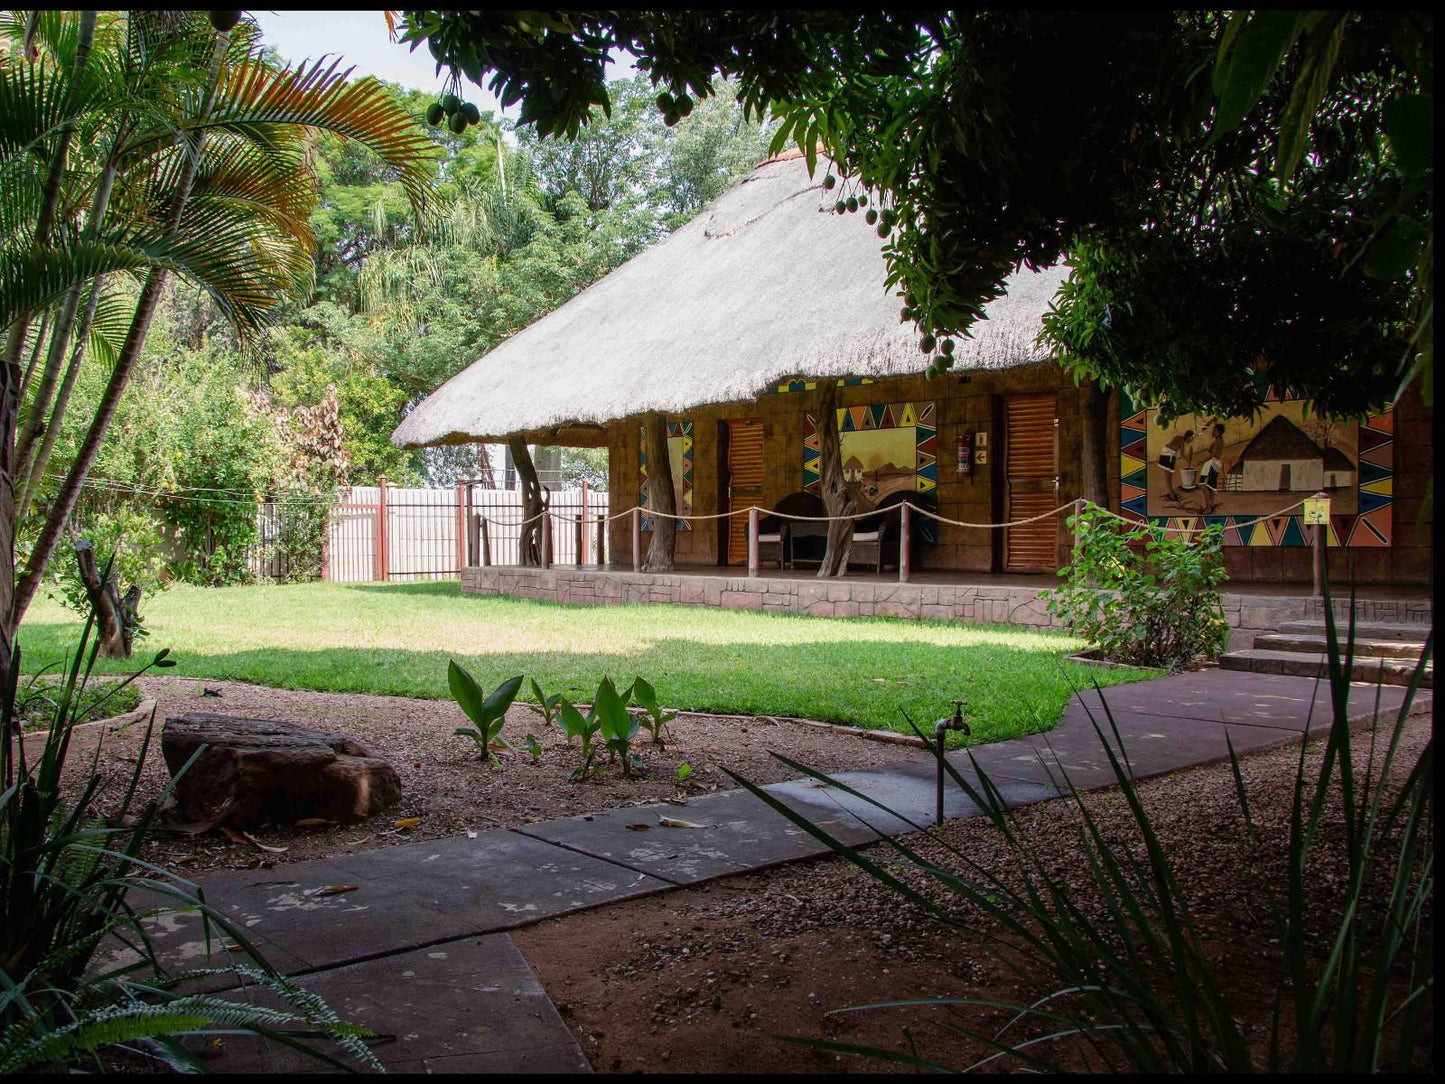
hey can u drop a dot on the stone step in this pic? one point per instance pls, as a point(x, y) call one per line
point(1318, 644)
point(1409, 631)
point(1370, 668)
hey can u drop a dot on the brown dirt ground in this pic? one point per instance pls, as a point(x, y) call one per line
point(443, 782)
point(712, 979)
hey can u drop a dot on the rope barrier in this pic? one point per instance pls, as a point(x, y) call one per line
point(1067, 506)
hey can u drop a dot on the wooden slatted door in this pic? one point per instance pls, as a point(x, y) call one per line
point(744, 481)
point(1031, 468)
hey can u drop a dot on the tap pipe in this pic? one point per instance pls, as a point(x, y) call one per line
point(956, 722)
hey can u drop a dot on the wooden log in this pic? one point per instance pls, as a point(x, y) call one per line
point(661, 496)
point(837, 498)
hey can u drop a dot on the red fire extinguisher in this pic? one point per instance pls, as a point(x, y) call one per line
point(965, 454)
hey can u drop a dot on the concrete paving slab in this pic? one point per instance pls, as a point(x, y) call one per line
point(1271, 700)
point(465, 1006)
point(739, 833)
point(1154, 745)
point(400, 898)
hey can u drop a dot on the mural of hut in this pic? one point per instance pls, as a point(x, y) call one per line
point(1281, 457)
point(853, 469)
point(1339, 471)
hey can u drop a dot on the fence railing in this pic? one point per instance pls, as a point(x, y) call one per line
point(385, 532)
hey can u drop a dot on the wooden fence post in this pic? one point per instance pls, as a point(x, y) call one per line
point(579, 545)
point(381, 533)
point(461, 530)
point(601, 540)
point(486, 541)
point(753, 541)
point(904, 556)
point(636, 539)
point(582, 538)
point(547, 538)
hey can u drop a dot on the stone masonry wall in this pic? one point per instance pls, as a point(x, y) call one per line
point(966, 603)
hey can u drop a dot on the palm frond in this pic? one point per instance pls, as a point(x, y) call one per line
point(260, 103)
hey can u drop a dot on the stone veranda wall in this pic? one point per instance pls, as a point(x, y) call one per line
point(965, 603)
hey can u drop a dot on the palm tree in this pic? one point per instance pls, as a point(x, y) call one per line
point(134, 146)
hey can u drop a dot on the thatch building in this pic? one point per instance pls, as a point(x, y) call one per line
point(736, 324)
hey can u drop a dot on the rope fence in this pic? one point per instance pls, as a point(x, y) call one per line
point(905, 510)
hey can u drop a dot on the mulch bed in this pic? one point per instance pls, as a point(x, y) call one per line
point(712, 979)
point(443, 782)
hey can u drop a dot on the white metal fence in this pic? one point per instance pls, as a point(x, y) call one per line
point(395, 533)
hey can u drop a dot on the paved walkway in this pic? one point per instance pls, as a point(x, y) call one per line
point(416, 948)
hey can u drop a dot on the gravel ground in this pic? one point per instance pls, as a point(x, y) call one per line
point(710, 979)
point(442, 780)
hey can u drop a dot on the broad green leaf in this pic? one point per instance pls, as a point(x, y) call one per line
point(643, 694)
point(573, 725)
point(1395, 249)
point(1410, 128)
point(1251, 62)
point(467, 693)
point(610, 711)
point(501, 699)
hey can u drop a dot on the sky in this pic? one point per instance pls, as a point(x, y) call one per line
point(361, 38)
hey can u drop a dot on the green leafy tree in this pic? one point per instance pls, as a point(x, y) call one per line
point(987, 139)
point(142, 145)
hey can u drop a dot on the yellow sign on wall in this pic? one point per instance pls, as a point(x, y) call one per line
point(1317, 511)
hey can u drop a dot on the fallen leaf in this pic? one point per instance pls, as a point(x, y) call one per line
point(638, 827)
point(245, 837)
point(671, 822)
point(311, 822)
point(234, 948)
point(406, 822)
point(471, 834)
point(335, 890)
point(675, 801)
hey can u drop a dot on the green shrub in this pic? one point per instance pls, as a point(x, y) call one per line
point(1142, 595)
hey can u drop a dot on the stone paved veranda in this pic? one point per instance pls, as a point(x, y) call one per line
point(418, 950)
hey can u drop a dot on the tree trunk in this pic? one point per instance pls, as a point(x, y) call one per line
point(11, 378)
point(836, 498)
point(529, 540)
point(1094, 443)
point(113, 624)
point(661, 496)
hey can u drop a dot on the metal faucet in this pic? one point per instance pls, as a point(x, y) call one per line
point(957, 722)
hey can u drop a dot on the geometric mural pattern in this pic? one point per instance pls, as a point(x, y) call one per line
point(917, 416)
point(1371, 526)
point(809, 385)
point(921, 417)
point(675, 431)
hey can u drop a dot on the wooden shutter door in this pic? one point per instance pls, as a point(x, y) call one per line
point(745, 481)
point(1031, 468)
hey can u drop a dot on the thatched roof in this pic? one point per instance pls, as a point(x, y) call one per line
point(1281, 439)
point(765, 284)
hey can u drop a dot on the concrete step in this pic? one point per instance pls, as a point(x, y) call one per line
point(1312, 644)
point(1386, 671)
point(1409, 631)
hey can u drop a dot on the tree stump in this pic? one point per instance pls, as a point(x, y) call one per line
point(260, 771)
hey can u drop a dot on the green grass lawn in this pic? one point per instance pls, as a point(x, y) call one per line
point(397, 638)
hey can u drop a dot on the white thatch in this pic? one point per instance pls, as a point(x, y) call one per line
point(766, 284)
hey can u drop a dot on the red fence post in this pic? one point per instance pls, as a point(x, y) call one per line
point(381, 533)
